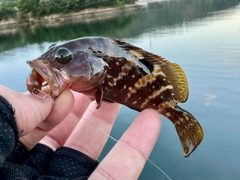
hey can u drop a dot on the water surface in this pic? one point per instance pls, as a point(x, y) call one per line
point(201, 36)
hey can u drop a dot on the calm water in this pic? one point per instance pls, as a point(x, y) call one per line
point(201, 36)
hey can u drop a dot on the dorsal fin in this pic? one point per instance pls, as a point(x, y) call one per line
point(174, 74)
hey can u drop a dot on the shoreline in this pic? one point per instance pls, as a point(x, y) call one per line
point(87, 15)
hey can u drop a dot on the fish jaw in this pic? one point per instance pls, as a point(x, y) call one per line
point(42, 73)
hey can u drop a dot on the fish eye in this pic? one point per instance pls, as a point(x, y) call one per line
point(63, 55)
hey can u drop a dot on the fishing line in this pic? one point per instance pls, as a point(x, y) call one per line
point(47, 97)
point(160, 169)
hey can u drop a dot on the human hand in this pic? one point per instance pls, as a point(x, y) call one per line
point(85, 129)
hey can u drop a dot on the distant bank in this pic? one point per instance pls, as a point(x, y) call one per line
point(88, 15)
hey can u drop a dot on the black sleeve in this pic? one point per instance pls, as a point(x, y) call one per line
point(8, 130)
point(69, 164)
point(41, 163)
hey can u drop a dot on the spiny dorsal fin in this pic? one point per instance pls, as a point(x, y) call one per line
point(171, 72)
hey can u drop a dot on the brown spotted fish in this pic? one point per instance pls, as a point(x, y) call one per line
point(108, 69)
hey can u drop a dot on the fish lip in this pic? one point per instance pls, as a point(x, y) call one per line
point(51, 75)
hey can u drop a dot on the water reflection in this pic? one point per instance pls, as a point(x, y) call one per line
point(203, 36)
point(159, 16)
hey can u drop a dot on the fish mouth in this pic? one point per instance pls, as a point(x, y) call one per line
point(45, 79)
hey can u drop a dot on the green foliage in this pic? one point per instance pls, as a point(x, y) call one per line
point(39, 8)
point(7, 9)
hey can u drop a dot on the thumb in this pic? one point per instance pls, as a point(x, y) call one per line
point(29, 110)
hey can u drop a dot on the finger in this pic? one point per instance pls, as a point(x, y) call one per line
point(89, 136)
point(29, 110)
point(58, 136)
point(127, 158)
point(56, 116)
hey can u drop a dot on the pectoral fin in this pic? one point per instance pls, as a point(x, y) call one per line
point(189, 130)
point(99, 97)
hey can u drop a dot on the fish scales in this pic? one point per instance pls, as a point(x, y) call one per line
point(109, 69)
point(151, 92)
point(131, 86)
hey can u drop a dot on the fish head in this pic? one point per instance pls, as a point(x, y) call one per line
point(65, 66)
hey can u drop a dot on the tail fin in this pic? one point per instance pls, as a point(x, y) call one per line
point(189, 130)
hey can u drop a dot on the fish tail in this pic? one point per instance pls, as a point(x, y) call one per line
point(189, 130)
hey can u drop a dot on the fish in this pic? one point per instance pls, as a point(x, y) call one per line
point(112, 70)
